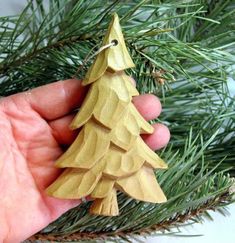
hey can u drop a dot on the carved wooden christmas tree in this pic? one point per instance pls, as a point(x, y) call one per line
point(109, 154)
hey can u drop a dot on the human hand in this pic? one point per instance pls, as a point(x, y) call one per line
point(33, 126)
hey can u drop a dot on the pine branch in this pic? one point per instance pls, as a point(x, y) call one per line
point(4, 68)
point(184, 53)
point(48, 34)
point(187, 188)
point(177, 221)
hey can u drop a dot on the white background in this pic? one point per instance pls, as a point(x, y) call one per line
point(221, 230)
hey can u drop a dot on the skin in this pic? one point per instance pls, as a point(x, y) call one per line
point(33, 128)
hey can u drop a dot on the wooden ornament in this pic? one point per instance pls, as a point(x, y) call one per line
point(109, 153)
point(112, 59)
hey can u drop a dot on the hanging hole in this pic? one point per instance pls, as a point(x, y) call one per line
point(115, 42)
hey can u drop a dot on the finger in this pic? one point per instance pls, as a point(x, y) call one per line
point(57, 99)
point(148, 105)
point(159, 138)
point(59, 206)
point(61, 131)
point(133, 81)
point(65, 136)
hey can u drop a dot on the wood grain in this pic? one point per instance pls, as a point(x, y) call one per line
point(106, 206)
point(109, 153)
point(142, 186)
point(113, 59)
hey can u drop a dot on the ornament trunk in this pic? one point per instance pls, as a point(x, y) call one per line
point(184, 53)
point(109, 153)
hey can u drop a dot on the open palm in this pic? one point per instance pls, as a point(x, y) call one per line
point(33, 126)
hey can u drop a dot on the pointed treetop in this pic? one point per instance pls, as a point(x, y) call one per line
point(112, 59)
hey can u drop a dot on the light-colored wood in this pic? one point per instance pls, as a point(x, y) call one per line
point(129, 82)
point(151, 158)
point(86, 110)
point(74, 183)
point(109, 153)
point(103, 188)
point(109, 104)
point(114, 59)
point(109, 109)
point(106, 206)
point(146, 128)
point(91, 144)
point(120, 164)
point(123, 136)
point(142, 186)
point(106, 100)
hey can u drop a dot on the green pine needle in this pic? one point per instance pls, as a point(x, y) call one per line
point(184, 53)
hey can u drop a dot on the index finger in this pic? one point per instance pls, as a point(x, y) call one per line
point(55, 100)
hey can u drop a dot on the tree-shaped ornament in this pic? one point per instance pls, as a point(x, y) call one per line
point(109, 153)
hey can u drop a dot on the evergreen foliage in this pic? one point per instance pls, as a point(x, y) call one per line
point(184, 53)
